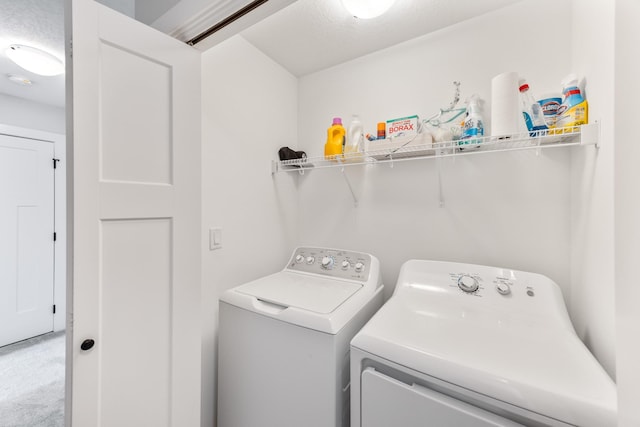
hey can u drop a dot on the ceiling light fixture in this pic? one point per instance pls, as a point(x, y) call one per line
point(35, 60)
point(19, 80)
point(367, 9)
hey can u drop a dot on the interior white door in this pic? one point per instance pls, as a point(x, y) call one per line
point(26, 238)
point(136, 223)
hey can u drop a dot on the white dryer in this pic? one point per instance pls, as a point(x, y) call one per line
point(467, 345)
point(283, 347)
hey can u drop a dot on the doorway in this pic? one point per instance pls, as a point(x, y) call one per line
point(32, 276)
point(27, 248)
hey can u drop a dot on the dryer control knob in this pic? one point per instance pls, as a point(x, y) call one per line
point(327, 262)
point(359, 267)
point(468, 283)
point(345, 265)
point(310, 260)
point(503, 289)
point(299, 258)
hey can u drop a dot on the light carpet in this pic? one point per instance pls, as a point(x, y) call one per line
point(32, 382)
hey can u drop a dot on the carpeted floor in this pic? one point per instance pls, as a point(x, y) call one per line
point(32, 382)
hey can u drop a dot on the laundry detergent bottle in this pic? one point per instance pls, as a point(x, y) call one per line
point(354, 143)
point(574, 110)
point(335, 140)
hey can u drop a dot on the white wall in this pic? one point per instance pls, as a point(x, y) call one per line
point(509, 209)
point(592, 231)
point(31, 115)
point(126, 7)
point(627, 210)
point(249, 111)
point(549, 213)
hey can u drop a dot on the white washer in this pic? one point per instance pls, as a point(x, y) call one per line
point(283, 349)
point(468, 345)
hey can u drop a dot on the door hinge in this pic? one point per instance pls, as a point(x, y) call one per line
point(55, 163)
point(54, 309)
point(55, 236)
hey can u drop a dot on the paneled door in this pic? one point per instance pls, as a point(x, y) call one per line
point(26, 238)
point(135, 323)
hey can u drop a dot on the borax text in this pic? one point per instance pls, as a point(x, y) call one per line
point(402, 127)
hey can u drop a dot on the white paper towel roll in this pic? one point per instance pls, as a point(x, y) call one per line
point(505, 104)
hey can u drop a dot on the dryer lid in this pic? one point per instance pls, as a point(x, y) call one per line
point(302, 291)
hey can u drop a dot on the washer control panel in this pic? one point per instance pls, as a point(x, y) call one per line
point(332, 262)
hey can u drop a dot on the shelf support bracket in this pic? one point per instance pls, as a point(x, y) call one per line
point(439, 159)
point(440, 192)
point(590, 134)
point(353, 194)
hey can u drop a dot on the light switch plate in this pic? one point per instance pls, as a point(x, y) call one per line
point(215, 238)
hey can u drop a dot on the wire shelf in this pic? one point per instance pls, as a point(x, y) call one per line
point(408, 150)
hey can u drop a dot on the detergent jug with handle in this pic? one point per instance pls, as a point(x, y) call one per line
point(335, 140)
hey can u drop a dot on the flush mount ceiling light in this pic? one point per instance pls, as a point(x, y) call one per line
point(35, 60)
point(19, 80)
point(366, 9)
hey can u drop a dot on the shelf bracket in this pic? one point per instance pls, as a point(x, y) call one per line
point(440, 193)
point(439, 159)
point(353, 194)
point(590, 134)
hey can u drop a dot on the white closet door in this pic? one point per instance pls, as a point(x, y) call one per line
point(26, 238)
point(136, 224)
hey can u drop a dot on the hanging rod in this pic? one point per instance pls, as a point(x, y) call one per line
point(226, 21)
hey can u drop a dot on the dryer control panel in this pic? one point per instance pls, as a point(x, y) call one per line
point(332, 262)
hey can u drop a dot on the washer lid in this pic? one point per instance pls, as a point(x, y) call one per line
point(302, 291)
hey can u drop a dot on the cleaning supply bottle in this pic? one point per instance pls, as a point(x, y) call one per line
point(550, 104)
point(382, 130)
point(472, 126)
point(574, 110)
point(335, 139)
point(355, 138)
point(532, 111)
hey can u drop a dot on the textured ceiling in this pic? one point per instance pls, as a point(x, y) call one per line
point(38, 23)
point(311, 35)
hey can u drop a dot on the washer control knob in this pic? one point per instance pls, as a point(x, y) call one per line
point(299, 258)
point(359, 267)
point(468, 283)
point(310, 260)
point(327, 262)
point(503, 289)
point(345, 265)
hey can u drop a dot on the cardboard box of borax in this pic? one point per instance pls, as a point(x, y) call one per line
point(403, 126)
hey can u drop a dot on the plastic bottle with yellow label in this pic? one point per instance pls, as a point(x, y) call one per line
point(335, 140)
point(574, 110)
